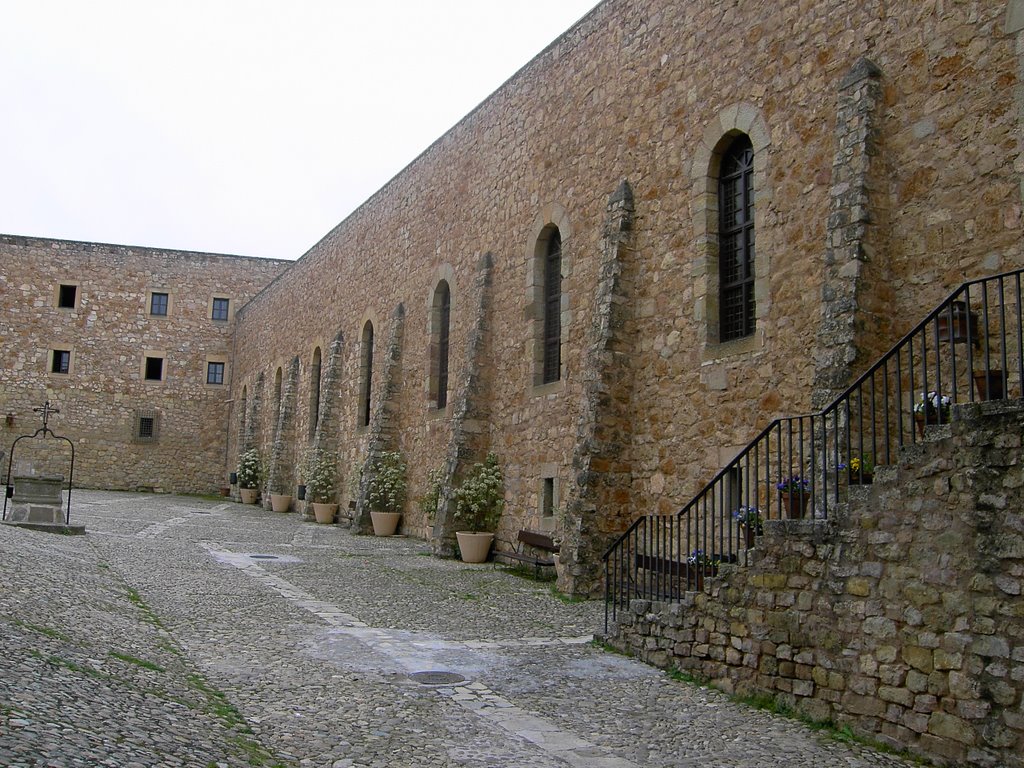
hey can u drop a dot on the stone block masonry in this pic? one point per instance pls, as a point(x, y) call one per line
point(103, 321)
point(903, 618)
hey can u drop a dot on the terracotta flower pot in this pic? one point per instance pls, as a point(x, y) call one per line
point(989, 386)
point(474, 547)
point(280, 502)
point(324, 513)
point(384, 523)
point(248, 495)
point(795, 504)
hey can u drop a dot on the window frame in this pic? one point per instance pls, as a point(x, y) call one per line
point(366, 344)
point(210, 369)
point(148, 355)
point(226, 309)
point(736, 234)
point(53, 367)
point(59, 295)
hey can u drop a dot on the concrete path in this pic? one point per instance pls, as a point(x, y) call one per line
point(187, 632)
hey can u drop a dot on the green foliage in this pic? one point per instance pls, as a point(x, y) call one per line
point(321, 473)
point(387, 483)
point(481, 497)
point(428, 501)
point(250, 469)
point(136, 661)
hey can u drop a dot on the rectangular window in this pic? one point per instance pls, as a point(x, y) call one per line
point(548, 502)
point(220, 309)
point(61, 362)
point(154, 369)
point(147, 426)
point(215, 373)
point(158, 304)
point(67, 296)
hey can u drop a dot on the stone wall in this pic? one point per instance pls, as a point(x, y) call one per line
point(903, 617)
point(648, 90)
point(109, 331)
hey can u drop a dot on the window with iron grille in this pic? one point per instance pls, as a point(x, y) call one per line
point(220, 309)
point(61, 362)
point(158, 304)
point(553, 308)
point(444, 328)
point(215, 373)
point(736, 241)
point(146, 425)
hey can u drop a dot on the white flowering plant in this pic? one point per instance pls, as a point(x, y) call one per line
point(321, 473)
point(481, 497)
point(428, 501)
point(387, 482)
point(934, 406)
point(250, 469)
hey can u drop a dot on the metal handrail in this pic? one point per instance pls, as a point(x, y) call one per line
point(975, 334)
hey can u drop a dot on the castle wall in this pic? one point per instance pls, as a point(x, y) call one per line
point(109, 332)
point(645, 91)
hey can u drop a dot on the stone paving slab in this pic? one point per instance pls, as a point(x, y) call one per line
point(119, 644)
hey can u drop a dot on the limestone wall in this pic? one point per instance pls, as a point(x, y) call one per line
point(109, 332)
point(904, 618)
point(645, 91)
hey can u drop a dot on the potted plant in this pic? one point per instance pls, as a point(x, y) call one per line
point(860, 469)
point(322, 485)
point(250, 475)
point(795, 493)
point(386, 492)
point(749, 521)
point(279, 500)
point(478, 504)
point(931, 408)
point(700, 565)
point(990, 384)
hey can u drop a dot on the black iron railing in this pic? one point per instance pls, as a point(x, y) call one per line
point(969, 348)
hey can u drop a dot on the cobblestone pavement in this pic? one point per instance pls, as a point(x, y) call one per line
point(187, 632)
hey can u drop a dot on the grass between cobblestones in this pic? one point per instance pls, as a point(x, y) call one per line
point(772, 704)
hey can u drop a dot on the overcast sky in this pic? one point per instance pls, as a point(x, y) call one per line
point(237, 126)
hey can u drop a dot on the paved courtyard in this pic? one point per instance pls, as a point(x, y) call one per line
point(188, 632)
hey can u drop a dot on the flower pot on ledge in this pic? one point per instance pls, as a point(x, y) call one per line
point(795, 504)
point(990, 385)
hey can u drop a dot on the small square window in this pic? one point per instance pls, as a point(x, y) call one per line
point(215, 373)
point(158, 304)
point(67, 296)
point(61, 362)
point(147, 426)
point(220, 309)
point(154, 369)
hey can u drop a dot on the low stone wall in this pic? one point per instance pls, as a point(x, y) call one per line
point(902, 617)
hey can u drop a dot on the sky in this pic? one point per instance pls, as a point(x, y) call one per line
point(237, 126)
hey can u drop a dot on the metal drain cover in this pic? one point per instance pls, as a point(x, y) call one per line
point(263, 557)
point(437, 678)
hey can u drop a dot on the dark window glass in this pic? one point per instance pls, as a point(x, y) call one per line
point(367, 382)
point(146, 425)
point(158, 304)
point(736, 241)
point(220, 309)
point(549, 497)
point(61, 361)
point(442, 346)
point(553, 308)
point(154, 368)
point(67, 296)
point(215, 373)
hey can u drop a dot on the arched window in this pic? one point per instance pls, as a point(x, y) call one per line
point(440, 329)
point(366, 375)
point(552, 339)
point(314, 392)
point(736, 241)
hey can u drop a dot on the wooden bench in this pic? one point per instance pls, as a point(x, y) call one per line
point(544, 546)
